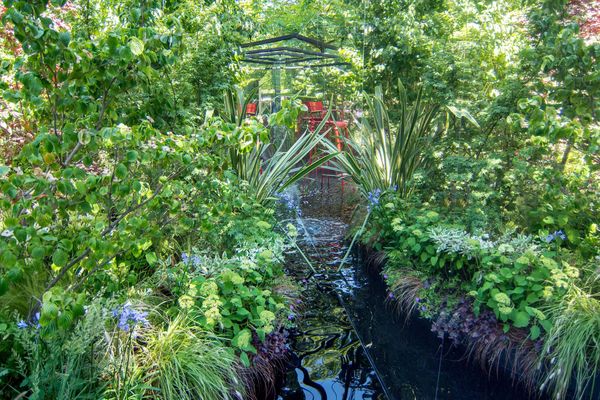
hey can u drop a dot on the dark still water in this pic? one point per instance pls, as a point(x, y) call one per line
point(349, 345)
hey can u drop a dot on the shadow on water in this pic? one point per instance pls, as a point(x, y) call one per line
point(348, 344)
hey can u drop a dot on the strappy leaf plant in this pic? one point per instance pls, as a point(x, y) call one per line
point(383, 153)
point(269, 172)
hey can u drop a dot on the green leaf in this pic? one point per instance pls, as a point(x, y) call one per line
point(65, 319)
point(548, 220)
point(38, 252)
point(49, 310)
point(546, 324)
point(32, 83)
point(244, 359)
point(121, 171)
point(132, 155)
point(243, 339)
point(136, 46)
point(535, 332)
point(151, 258)
point(523, 260)
point(520, 319)
point(64, 37)
point(60, 258)
point(84, 137)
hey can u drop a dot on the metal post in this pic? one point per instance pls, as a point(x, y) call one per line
point(276, 77)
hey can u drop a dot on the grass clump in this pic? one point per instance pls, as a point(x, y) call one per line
point(572, 347)
point(184, 362)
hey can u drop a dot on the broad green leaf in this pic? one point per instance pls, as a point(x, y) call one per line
point(136, 46)
point(60, 258)
point(520, 319)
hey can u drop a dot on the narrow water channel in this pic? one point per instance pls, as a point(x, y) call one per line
point(348, 344)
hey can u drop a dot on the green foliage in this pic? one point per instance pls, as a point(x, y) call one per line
point(103, 193)
point(74, 355)
point(233, 296)
point(512, 275)
point(386, 154)
point(182, 361)
point(571, 350)
point(269, 172)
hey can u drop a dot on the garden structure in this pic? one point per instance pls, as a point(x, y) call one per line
point(165, 232)
point(288, 53)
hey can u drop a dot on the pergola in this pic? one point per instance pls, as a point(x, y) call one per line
point(298, 52)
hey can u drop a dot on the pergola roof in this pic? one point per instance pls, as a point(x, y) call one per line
point(259, 53)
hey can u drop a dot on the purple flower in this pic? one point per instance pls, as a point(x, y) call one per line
point(385, 276)
point(22, 324)
point(417, 300)
point(185, 258)
point(423, 308)
point(391, 295)
point(291, 317)
point(129, 318)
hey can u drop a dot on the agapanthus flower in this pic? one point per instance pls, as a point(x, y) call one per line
point(557, 234)
point(373, 198)
point(22, 324)
point(129, 318)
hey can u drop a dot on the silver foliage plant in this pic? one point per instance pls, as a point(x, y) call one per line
point(459, 241)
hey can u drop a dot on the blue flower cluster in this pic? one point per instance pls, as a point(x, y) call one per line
point(193, 260)
point(373, 198)
point(557, 234)
point(129, 318)
point(22, 324)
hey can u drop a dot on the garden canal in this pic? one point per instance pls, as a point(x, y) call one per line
point(349, 344)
